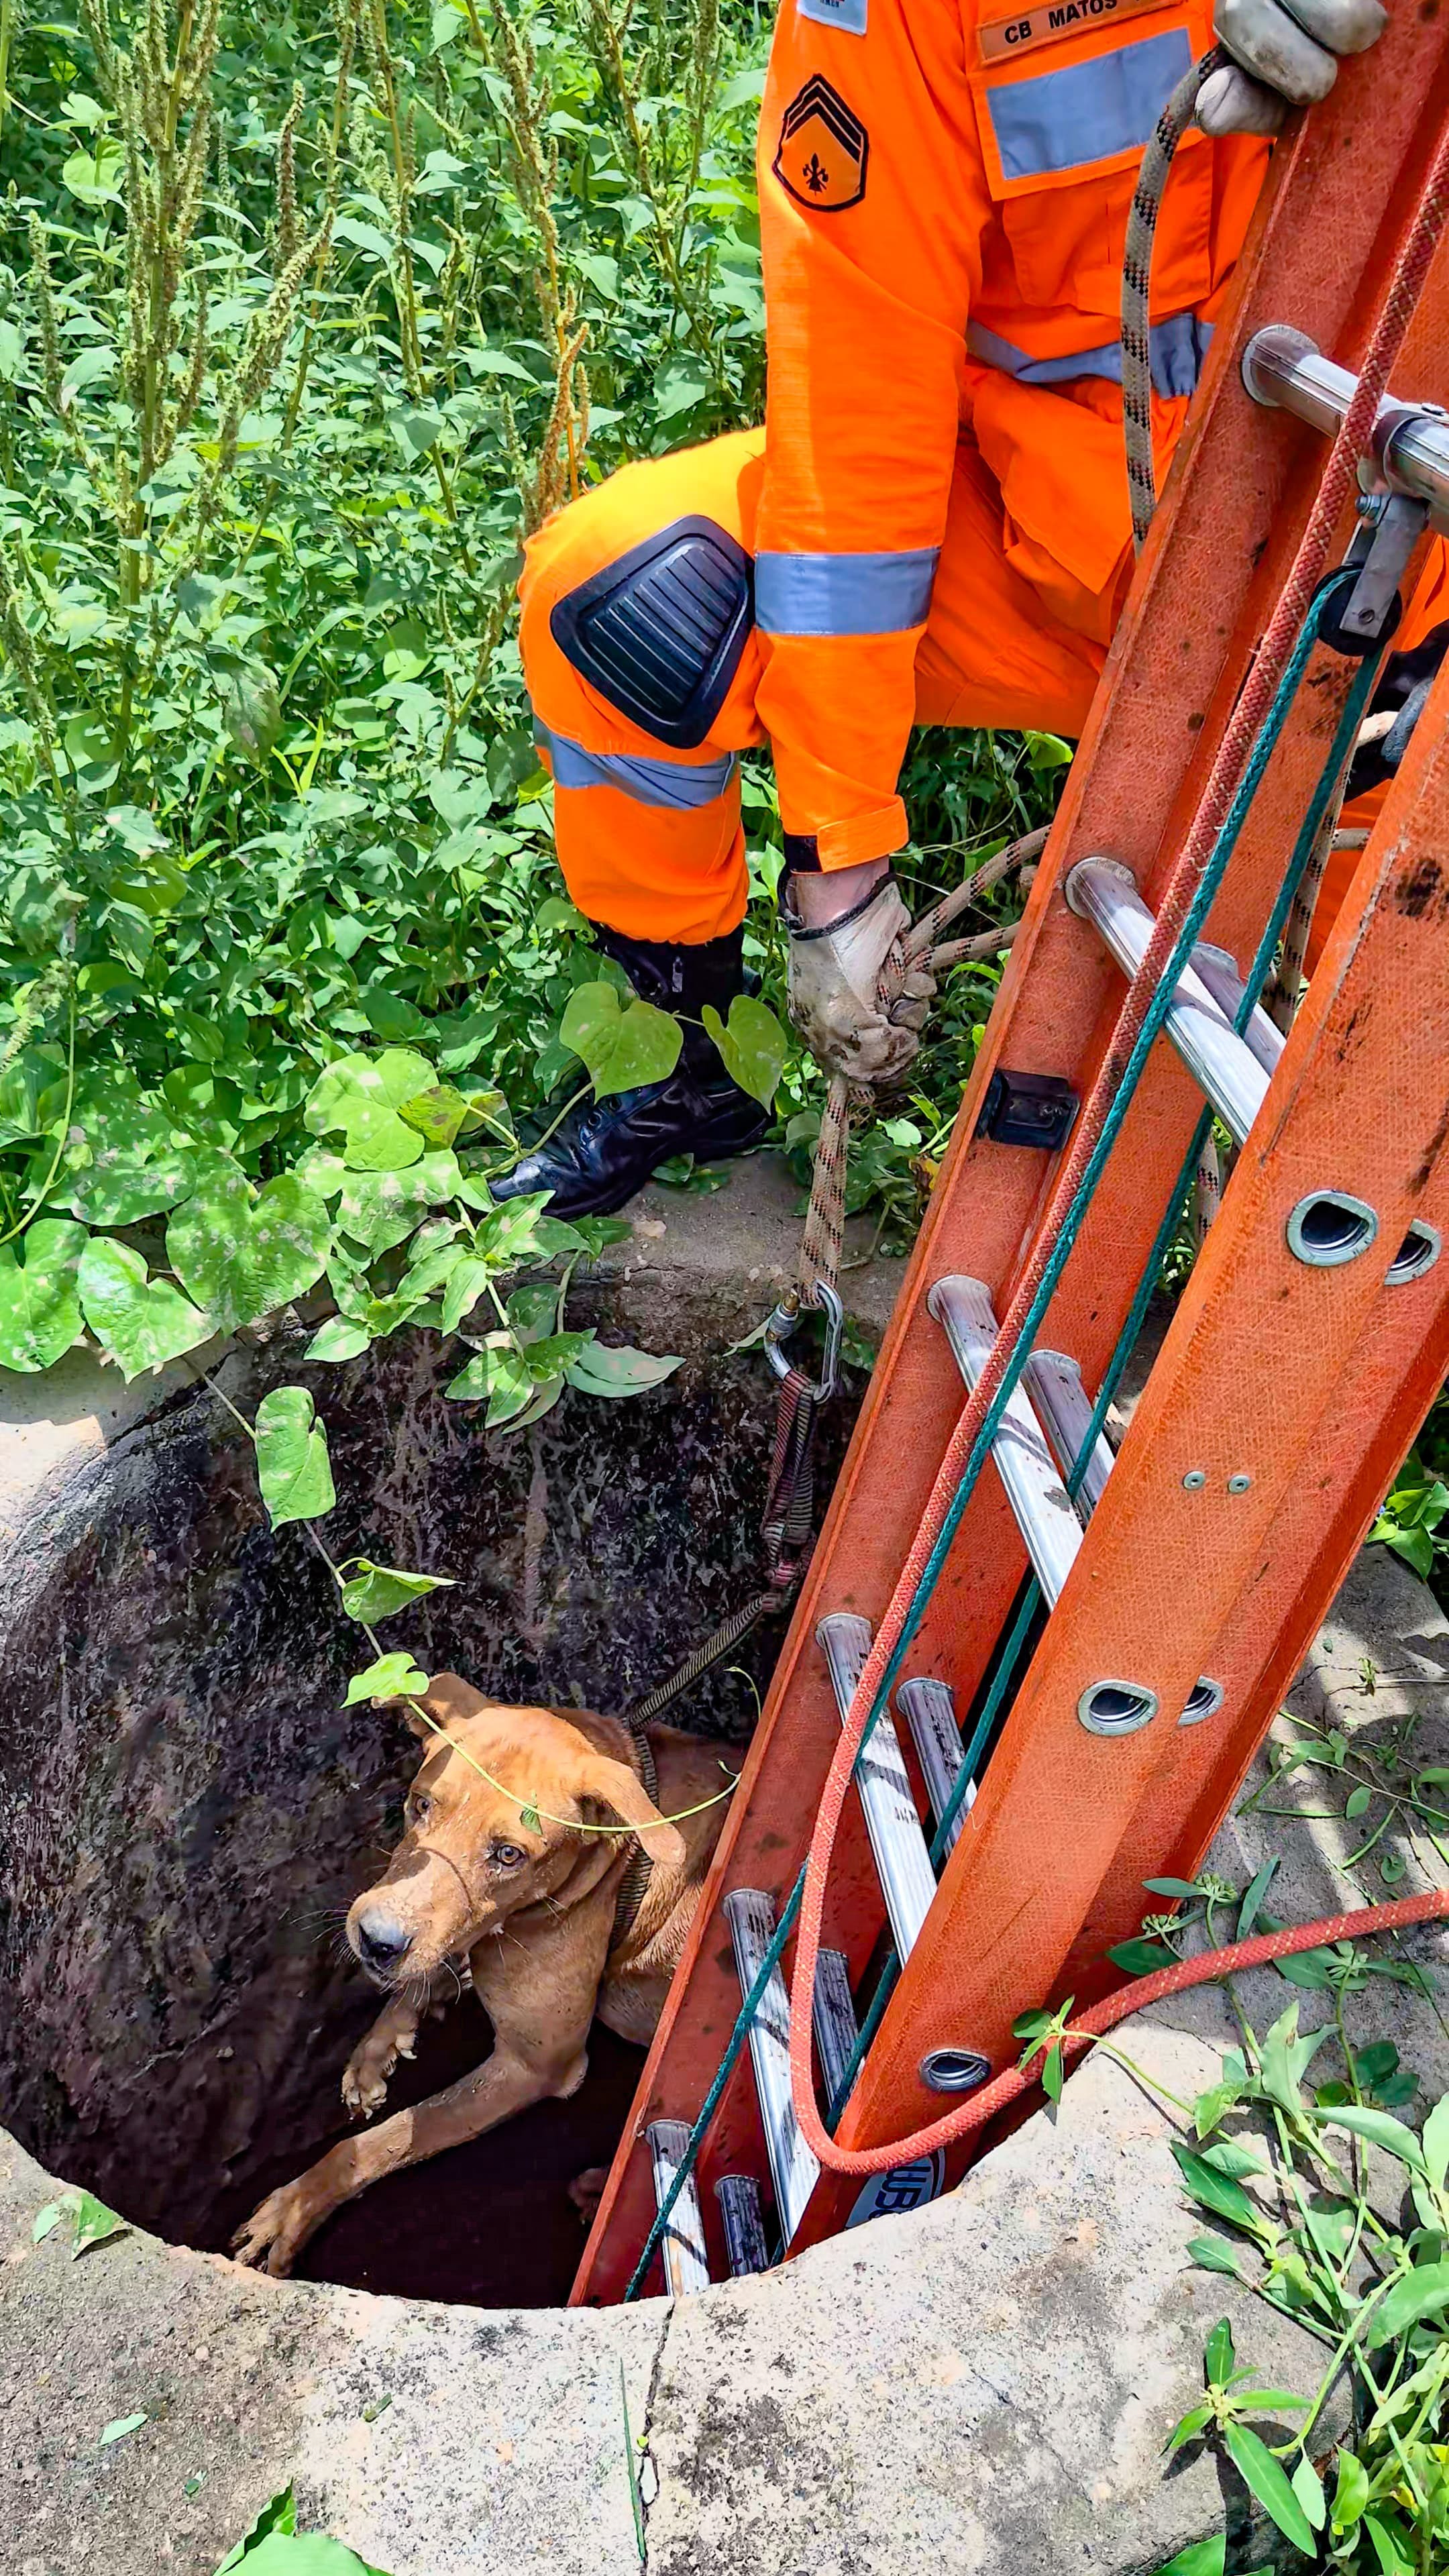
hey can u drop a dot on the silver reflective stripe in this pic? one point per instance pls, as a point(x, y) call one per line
point(844, 594)
point(1087, 111)
point(1179, 346)
point(673, 783)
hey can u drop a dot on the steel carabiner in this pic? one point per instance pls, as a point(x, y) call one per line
point(783, 1322)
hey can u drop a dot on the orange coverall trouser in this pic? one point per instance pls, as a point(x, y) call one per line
point(991, 654)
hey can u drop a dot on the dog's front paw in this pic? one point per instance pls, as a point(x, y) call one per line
point(276, 2232)
point(364, 2085)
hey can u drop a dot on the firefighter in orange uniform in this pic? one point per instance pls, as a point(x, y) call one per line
point(933, 525)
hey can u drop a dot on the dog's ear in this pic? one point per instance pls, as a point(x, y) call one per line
point(448, 1699)
point(615, 1786)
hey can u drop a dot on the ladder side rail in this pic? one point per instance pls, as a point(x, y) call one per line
point(1259, 1341)
point(1234, 509)
point(1368, 1427)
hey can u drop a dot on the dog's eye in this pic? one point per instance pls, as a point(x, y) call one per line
point(508, 1855)
point(419, 1810)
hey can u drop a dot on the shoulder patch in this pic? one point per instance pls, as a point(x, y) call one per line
point(823, 150)
point(848, 15)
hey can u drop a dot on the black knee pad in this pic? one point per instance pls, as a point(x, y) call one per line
point(660, 633)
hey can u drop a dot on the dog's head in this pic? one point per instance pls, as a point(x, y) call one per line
point(477, 1849)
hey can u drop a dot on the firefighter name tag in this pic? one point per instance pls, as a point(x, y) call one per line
point(848, 15)
point(1002, 39)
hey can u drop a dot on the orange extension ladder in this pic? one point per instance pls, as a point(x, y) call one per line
point(1179, 1590)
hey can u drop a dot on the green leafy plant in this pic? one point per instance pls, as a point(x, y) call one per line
point(299, 329)
point(1307, 2235)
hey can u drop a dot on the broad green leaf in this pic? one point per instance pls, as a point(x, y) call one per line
point(309, 2553)
point(1424, 2293)
point(533, 1311)
point(361, 1095)
point(340, 1338)
point(437, 1115)
point(1284, 2058)
point(597, 1232)
point(46, 2221)
point(1200, 2558)
point(1253, 1900)
point(499, 1376)
point(293, 1469)
point(1140, 1958)
point(119, 2427)
point(1215, 2191)
point(242, 1258)
point(625, 1371)
point(1219, 2358)
point(1213, 2106)
point(1211, 2256)
point(1308, 2488)
point(1182, 1887)
point(622, 1048)
point(380, 1209)
point(1356, 1803)
point(279, 2514)
point(1263, 2475)
point(1351, 2493)
point(466, 1284)
point(376, 1591)
point(1233, 2159)
point(752, 1043)
point(40, 1316)
point(140, 1322)
point(94, 2223)
point(1381, 2130)
point(391, 1677)
point(1389, 2548)
point(252, 713)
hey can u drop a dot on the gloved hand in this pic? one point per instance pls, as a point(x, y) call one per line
point(835, 972)
point(1282, 58)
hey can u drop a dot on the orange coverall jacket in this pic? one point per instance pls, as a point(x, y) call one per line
point(936, 513)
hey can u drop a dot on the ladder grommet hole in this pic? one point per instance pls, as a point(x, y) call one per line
point(1116, 1708)
point(1417, 1253)
point(1330, 1227)
point(1203, 1700)
point(954, 2070)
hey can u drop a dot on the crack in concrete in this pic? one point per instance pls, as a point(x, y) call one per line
point(646, 2456)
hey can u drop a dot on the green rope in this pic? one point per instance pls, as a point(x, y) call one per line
point(724, 2071)
point(1147, 1036)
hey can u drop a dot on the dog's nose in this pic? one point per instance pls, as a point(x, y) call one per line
point(380, 1941)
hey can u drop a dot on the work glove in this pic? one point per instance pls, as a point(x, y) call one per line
point(835, 976)
point(1282, 58)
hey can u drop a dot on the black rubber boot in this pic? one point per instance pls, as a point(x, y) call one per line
point(606, 1151)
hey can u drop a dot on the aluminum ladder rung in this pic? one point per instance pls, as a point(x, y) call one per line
point(686, 2265)
point(1054, 1383)
point(793, 2170)
point(833, 2015)
point(902, 1853)
point(1219, 971)
point(744, 2228)
point(1226, 1067)
point(1045, 1513)
point(929, 1710)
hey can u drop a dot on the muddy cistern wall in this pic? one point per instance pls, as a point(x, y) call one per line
point(187, 1809)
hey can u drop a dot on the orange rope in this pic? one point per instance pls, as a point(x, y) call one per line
point(1260, 1952)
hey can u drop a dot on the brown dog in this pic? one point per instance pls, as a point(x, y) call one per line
point(509, 1879)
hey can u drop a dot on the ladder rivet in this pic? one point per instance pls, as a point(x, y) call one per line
point(1239, 1484)
point(1194, 1480)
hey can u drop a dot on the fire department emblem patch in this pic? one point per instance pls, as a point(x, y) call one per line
point(822, 151)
